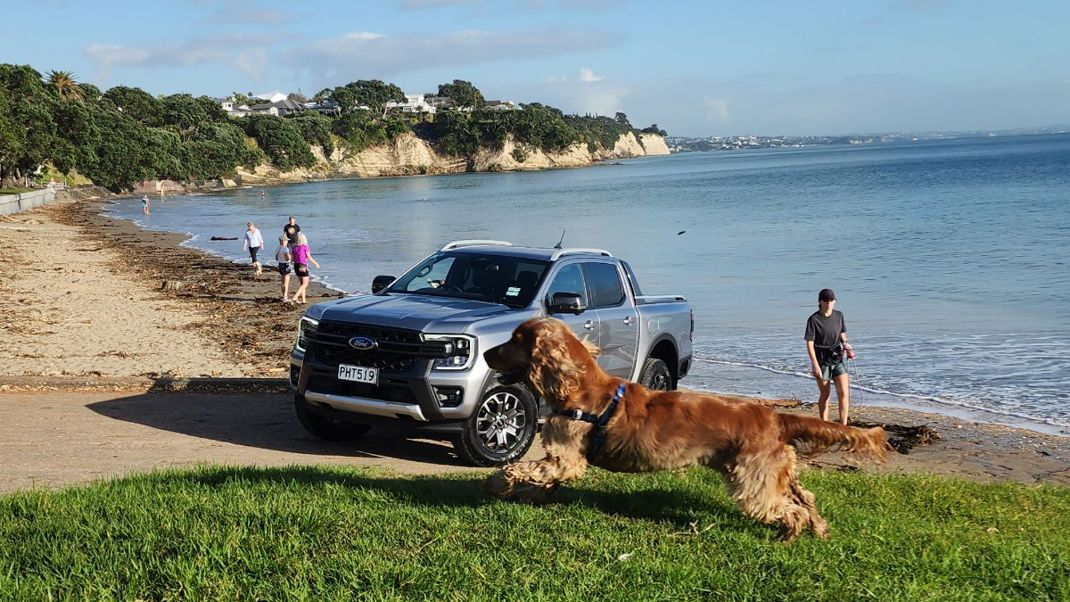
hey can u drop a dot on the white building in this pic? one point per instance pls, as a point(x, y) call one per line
point(414, 103)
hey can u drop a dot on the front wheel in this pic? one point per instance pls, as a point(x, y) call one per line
point(501, 429)
point(656, 375)
point(325, 428)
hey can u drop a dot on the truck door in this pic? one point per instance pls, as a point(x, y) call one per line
point(569, 279)
point(618, 321)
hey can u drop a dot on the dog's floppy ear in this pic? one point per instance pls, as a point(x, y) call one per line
point(555, 373)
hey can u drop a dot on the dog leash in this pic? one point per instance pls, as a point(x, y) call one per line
point(598, 438)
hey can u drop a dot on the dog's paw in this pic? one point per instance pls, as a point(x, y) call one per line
point(504, 486)
point(500, 485)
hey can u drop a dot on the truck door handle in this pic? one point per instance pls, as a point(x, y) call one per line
point(627, 320)
point(588, 325)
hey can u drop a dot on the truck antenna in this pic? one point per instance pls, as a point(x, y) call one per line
point(558, 245)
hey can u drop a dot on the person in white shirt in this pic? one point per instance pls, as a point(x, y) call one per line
point(253, 241)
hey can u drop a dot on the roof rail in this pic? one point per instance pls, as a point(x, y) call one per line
point(579, 251)
point(469, 243)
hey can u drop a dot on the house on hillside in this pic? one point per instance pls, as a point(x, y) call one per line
point(414, 103)
point(233, 110)
point(500, 105)
point(280, 108)
point(329, 108)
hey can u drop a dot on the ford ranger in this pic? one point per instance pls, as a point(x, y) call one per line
point(410, 353)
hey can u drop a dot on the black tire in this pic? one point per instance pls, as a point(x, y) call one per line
point(325, 428)
point(501, 429)
point(656, 375)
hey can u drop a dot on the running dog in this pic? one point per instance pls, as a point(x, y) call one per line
point(621, 426)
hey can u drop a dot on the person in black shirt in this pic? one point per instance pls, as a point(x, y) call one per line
point(826, 344)
point(291, 229)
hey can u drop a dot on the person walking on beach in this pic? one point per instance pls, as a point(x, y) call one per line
point(826, 344)
point(283, 256)
point(145, 204)
point(253, 241)
point(302, 256)
point(291, 229)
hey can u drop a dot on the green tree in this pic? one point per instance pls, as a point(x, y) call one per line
point(281, 141)
point(137, 104)
point(373, 94)
point(463, 94)
point(183, 113)
point(28, 138)
point(315, 129)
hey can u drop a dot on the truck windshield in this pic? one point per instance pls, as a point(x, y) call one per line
point(510, 281)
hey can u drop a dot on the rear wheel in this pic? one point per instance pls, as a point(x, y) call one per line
point(325, 428)
point(656, 375)
point(501, 429)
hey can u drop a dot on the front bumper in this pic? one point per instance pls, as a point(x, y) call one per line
point(413, 395)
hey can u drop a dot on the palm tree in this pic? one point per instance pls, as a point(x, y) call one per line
point(65, 85)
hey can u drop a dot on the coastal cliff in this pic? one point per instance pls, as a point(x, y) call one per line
point(410, 155)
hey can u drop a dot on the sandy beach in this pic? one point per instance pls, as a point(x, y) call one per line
point(100, 313)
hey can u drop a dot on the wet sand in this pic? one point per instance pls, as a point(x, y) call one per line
point(102, 305)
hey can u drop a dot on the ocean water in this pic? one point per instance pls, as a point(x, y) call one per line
point(949, 258)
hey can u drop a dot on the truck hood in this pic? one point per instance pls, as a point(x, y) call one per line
point(413, 312)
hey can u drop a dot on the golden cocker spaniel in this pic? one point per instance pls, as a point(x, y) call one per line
point(752, 446)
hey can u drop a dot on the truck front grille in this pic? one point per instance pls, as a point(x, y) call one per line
point(397, 351)
point(387, 363)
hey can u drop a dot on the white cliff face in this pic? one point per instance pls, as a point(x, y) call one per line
point(654, 144)
point(409, 155)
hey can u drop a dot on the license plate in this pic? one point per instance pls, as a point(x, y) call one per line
point(358, 374)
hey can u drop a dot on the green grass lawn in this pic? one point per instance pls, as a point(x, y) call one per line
point(14, 190)
point(338, 534)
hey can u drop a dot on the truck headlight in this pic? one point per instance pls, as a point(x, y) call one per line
point(461, 350)
point(305, 327)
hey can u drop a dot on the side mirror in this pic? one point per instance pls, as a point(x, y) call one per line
point(567, 303)
point(381, 282)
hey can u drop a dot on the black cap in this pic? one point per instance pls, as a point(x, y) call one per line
point(826, 294)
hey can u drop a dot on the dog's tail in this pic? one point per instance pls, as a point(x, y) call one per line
point(813, 436)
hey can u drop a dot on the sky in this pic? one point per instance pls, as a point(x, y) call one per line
point(695, 68)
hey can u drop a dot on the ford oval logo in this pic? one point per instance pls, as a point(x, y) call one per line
point(363, 343)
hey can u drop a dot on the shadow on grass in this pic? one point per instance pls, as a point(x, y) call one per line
point(674, 507)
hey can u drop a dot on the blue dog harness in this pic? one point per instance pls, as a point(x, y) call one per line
point(598, 438)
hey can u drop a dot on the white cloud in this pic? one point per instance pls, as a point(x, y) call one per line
point(253, 63)
point(362, 36)
point(115, 54)
point(382, 56)
point(587, 76)
point(243, 51)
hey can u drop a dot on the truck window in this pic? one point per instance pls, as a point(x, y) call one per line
point(638, 292)
point(568, 279)
point(430, 275)
point(606, 288)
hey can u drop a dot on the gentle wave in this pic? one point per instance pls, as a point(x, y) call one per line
point(951, 403)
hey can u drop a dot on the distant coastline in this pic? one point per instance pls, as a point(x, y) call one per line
point(683, 144)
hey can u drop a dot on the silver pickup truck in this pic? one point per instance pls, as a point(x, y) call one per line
point(410, 353)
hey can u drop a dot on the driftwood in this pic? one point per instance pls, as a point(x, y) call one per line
point(224, 238)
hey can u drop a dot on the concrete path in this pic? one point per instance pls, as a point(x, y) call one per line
point(54, 439)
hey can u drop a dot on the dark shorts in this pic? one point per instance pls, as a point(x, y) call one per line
point(301, 270)
point(831, 372)
point(284, 268)
point(253, 251)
